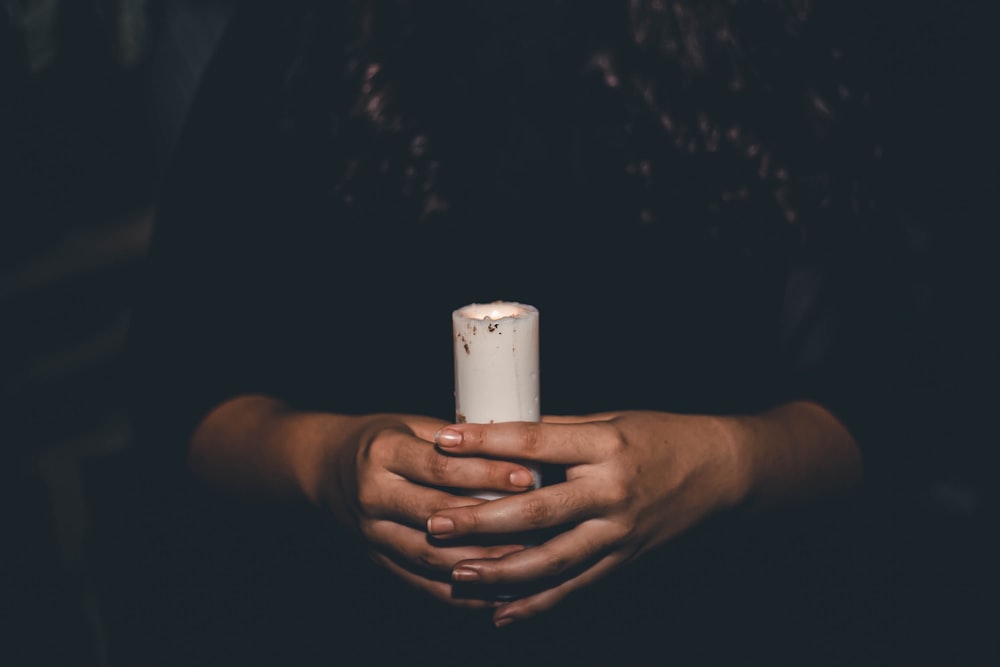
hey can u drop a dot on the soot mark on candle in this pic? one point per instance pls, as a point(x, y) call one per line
point(492, 327)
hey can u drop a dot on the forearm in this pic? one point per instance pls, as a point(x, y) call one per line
point(257, 447)
point(795, 452)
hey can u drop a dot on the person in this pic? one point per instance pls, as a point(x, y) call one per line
point(684, 191)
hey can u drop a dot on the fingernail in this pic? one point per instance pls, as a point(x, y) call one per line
point(501, 622)
point(440, 524)
point(447, 437)
point(464, 574)
point(522, 478)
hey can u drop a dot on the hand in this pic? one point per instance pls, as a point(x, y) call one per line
point(633, 481)
point(389, 477)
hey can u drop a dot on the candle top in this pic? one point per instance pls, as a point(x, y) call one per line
point(497, 310)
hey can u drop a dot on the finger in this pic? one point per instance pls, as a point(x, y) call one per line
point(441, 590)
point(556, 559)
point(580, 419)
point(532, 605)
point(564, 444)
point(413, 548)
point(405, 502)
point(420, 461)
point(424, 427)
point(547, 507)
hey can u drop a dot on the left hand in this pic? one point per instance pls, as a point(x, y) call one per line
point(633, 481)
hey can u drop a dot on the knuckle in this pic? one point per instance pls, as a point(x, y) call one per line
point(377, 558)
point(554, 564)
point(616, 494)
point(429, 559)
point(626, 532)
point(369, 498)
point(439, 465)
point(470, 520)
point(378, 451)
point(530, 438)
point(611, 441)
point(368, 531)
point(536, 512)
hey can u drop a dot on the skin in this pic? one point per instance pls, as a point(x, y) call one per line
point(379, 475)
point(634, 480)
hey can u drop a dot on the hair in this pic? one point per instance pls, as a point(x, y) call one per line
point(740, 119)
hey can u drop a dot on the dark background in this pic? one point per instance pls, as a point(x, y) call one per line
point(92, 96)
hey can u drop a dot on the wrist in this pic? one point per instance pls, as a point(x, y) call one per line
point(297, 450)
point(735, 436)
point(316, 450)
point(792, 453)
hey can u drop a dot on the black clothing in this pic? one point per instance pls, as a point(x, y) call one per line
point(269, 275)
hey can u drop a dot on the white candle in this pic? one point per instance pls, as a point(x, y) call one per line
point(496, 366)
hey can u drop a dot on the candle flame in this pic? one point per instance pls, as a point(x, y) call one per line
point(496, 310)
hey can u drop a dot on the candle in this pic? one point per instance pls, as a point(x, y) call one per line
point(496, 366)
